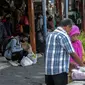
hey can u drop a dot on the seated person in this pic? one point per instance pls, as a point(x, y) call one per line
point(14, 51)
point(25, 43)
point(27, 49)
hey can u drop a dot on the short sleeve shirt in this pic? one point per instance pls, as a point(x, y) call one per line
point(58, 48)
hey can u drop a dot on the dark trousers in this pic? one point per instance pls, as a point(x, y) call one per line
point(17, 56)
point(59, 79)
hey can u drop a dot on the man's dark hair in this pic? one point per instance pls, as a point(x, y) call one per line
point(65, 22)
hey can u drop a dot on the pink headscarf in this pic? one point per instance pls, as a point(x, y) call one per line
point(77, 44)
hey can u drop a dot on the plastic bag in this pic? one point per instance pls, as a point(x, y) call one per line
point(26, 61)
point(77, 74)
point(32, 57)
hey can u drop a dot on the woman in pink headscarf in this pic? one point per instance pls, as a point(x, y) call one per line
point(74, 33)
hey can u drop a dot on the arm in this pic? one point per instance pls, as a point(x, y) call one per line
point(83, 55)
point(72, 66)
point(76, 59)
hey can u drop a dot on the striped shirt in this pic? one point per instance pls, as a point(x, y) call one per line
point(58, 48)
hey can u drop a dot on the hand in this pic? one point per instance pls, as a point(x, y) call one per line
point(72, 66)
point(84, 62)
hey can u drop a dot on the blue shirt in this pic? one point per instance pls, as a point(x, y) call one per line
point(58, 48)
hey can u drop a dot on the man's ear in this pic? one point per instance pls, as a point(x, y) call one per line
point(64, 27)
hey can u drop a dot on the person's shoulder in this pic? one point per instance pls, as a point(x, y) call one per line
point(48, 33)
point(63, 35)
point(79, 41)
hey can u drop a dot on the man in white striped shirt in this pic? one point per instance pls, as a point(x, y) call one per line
point(57, 54)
